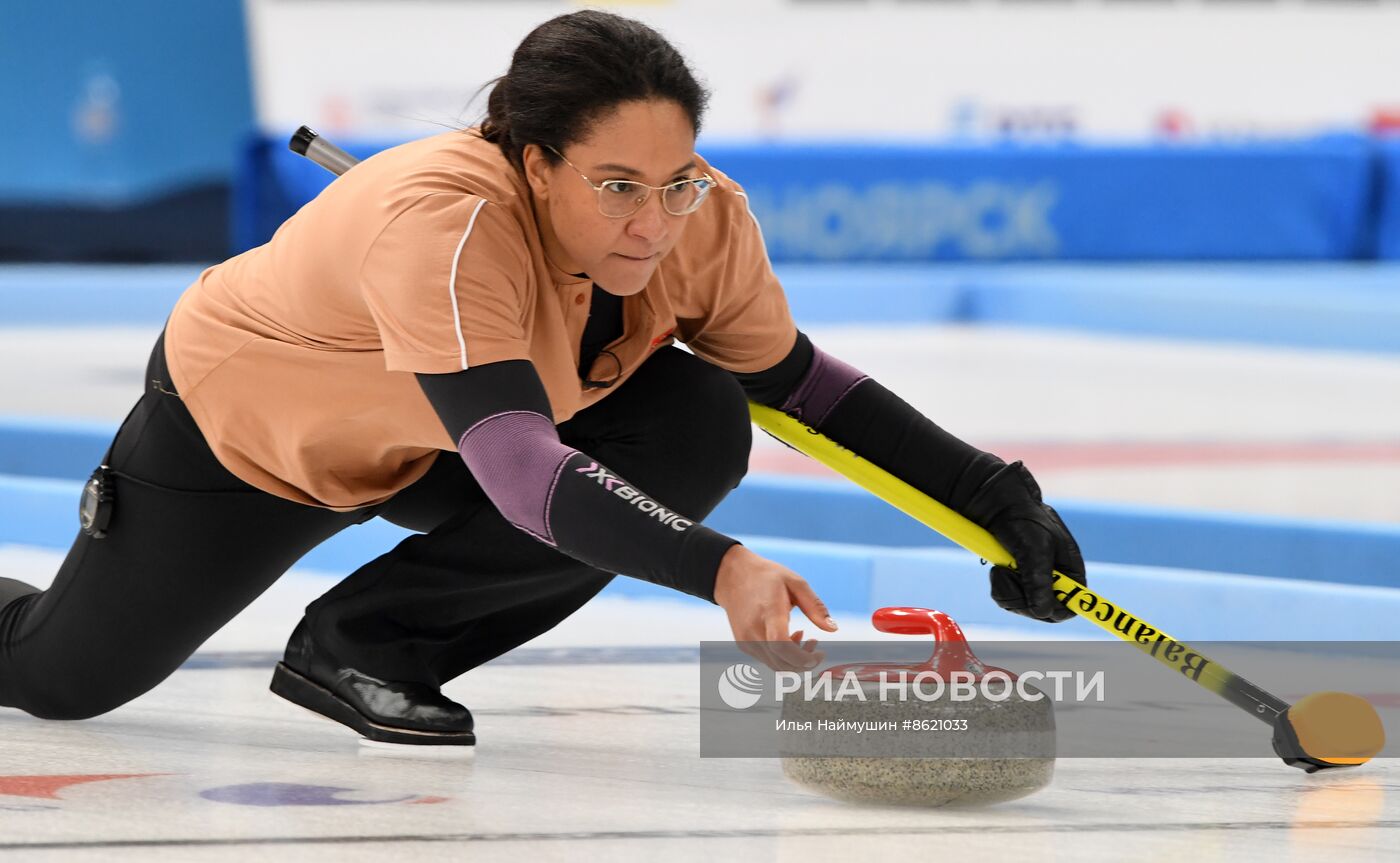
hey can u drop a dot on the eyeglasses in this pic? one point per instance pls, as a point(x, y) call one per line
point(618, 199)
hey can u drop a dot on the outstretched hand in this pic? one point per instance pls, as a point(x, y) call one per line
point(759, 595)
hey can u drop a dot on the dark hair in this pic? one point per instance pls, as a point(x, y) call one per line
point(573, 69)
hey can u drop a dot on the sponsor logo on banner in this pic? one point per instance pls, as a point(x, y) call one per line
point(987, 219)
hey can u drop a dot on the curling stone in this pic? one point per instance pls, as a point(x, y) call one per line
point(965, 751)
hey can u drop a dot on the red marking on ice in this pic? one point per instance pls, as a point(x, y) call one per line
point(1046, 457)
point(431, 800)
point(47, 787)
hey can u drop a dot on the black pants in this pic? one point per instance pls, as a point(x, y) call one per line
point(190, 545)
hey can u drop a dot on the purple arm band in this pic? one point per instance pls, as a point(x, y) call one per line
point(517, 456)
point(827, 382)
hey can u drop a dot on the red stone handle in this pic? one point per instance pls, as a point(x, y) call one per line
point(951, 652)
point(917, 621)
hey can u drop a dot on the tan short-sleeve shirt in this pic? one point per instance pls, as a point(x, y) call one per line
point(296, 358)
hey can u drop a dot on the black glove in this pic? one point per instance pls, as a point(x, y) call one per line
point(1008, 505)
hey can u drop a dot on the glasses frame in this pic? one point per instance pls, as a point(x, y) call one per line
point(599, 187)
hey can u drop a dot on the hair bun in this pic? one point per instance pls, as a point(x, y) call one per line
point(573, 69)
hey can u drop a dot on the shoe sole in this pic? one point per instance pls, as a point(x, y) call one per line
point(305, 692)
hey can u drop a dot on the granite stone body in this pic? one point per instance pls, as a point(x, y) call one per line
point(953, 752)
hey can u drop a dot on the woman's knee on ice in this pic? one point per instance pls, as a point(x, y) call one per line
point(71, 696)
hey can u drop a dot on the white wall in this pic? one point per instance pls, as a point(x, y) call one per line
point(880, 68)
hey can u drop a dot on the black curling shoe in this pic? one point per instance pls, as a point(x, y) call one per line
point(383, 711)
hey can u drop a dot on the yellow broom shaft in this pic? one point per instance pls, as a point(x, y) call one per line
point(1105, 614)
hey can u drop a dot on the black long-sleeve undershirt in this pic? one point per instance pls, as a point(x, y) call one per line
point(590, 513)
point(592, 525)
point(885, 430)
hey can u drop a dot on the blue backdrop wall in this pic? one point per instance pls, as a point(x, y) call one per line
point(1300, 200)
point(122, 126)
point(1388, 200)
